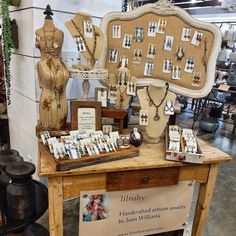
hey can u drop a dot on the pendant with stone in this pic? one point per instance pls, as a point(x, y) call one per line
point(156, 117)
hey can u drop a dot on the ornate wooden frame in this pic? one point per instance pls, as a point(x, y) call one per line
point(165, 8)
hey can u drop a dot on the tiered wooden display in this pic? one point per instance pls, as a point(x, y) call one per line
point(67, 164)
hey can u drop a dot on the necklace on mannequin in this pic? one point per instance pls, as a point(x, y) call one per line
point(50, 50)
point(151, 102)
point(91, 53)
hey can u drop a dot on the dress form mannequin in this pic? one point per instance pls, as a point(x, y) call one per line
point(53, 76)
point(155, 128)
point(94, 43)
point(122, 98)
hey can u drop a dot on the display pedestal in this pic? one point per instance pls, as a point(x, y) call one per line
point(94, 74)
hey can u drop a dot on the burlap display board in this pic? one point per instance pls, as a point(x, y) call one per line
point(174, 28)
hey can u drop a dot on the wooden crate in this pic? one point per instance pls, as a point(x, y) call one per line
point(67, 164)
point(182, 156)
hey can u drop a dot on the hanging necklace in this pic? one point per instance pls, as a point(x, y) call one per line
point(122, 95)
point(50, 50)
point(151, 102)
point(91, 53)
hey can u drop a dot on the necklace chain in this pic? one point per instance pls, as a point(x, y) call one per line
point(151, 102)
point(91, 54)
point(51, 49)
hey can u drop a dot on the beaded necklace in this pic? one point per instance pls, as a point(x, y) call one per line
point(91, 53)
point(151, 102)
point(49, 50)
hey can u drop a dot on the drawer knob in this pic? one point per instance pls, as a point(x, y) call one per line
point(145, 179)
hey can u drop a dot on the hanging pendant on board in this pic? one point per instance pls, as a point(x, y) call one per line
point(157, 117)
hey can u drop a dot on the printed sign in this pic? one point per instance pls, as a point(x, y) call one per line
point(135, 212)
point(86, 119)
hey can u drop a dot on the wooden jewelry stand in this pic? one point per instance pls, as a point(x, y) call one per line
point(89, 40)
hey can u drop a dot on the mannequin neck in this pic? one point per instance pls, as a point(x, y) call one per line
point(48, 25)
point(80, 17)
point(156, 91)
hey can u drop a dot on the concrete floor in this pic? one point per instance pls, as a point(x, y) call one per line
point(222, 216)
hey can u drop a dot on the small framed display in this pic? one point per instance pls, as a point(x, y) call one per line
point(86, 115)
point(101, 95)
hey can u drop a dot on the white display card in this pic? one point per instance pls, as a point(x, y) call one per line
point(197, 38)
point(189, 65)
point(116, 31)
point(162, 23)
point(176, 72)
point(152, 28)
point(168, 43)
point(127, 41)
point(80, 44)
point(167, 66)
point(186, 34)
point(86, 119)
point(169, 108)
point(113, 54)
point(143, 117)
point(148, 69)
point(88, 29)
point(137, 57)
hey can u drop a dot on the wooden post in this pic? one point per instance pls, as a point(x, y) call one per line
point(204, 200)
point(55, 206)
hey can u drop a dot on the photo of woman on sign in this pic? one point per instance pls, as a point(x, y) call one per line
point(94, 210)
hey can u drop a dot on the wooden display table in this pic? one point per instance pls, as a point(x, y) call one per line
point(150, 169)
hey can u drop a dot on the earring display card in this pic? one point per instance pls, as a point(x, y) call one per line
point(122, 78)
point(137, 57)
point(152, 28)
point(186, 34)
point(112, 94)
point(127, 41)
point(180, 52)
point(176, 72)
point(131, 88)
point(148, 69)
point(116, 31)
point(102, 97)
point(113, 54)
point(169, 108)
point(168, 43)
point(196, 81)
point(138, 34)
point(107, 129)
point(151, 51)
point(124, 61)
point(45, 136)
point(80, 44)
point(197, 38)
point(189, 65)
point(162, 23)
point(167, 66)
point(143, 117)
point(88, 29)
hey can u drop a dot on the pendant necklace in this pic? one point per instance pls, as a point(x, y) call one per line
point(91, 53)
point(50, 50)
point(151, 102)
point(122, 95)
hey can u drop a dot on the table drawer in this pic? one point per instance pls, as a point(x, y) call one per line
point(136, 179)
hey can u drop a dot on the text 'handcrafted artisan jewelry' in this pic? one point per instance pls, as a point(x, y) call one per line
point(151, 102)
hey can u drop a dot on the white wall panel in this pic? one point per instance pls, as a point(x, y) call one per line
point(23, 111)
point(26, 144)
point(24, 21)
point(23, 4)
point(23, 71)
point(94, 7)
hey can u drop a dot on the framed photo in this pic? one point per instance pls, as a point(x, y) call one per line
point(101, 95)
point(86, 115)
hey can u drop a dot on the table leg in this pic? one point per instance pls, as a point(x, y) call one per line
point(204, 200)
point(55, 206)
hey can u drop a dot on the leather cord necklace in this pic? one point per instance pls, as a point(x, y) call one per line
point(151, 102)
point(91, 53)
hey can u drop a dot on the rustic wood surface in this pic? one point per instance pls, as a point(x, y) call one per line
point(151, 156)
